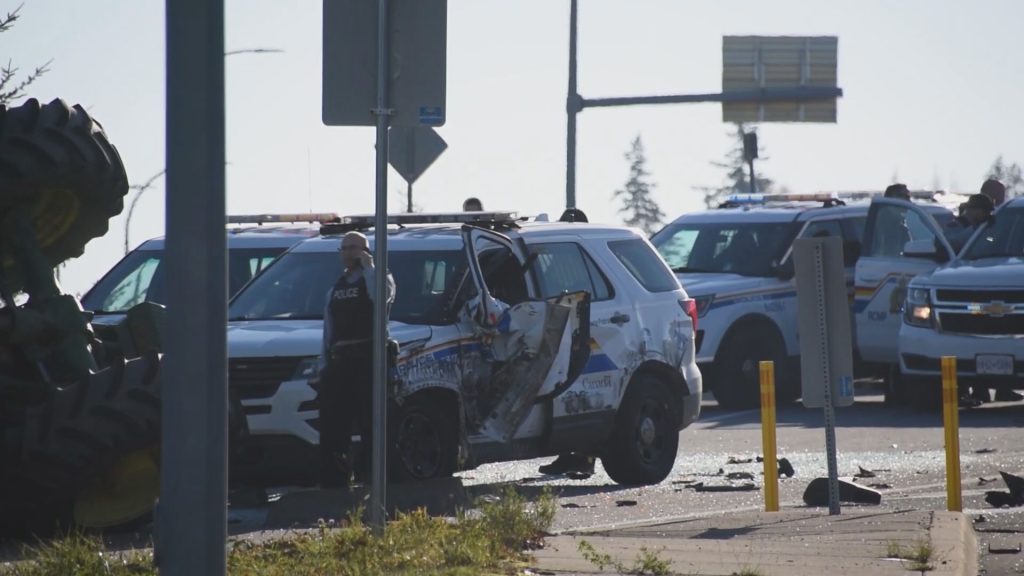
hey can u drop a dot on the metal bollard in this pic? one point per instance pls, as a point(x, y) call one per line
point(771, 464)
point(951, 425)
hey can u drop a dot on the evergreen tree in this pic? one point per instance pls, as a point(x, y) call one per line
point(737, 179)
point(638, 207)
point(1010, 175)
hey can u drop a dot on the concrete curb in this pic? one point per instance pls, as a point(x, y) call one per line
point(954, 544)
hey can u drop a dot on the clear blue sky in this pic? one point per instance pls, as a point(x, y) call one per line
point(932, 96)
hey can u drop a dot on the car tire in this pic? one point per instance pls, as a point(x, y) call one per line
point(425, 442)
point(737, 382)
point(645, 440)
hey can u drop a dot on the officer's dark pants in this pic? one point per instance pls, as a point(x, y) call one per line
point(345, 407)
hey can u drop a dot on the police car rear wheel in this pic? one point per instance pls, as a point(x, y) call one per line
point(737, 381)
point(646, 437)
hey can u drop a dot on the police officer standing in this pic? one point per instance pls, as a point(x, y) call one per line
point(346, 383)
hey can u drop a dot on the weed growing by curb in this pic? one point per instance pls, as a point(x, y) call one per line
point(646, 563)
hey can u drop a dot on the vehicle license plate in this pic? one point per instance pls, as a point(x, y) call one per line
point(999, 364)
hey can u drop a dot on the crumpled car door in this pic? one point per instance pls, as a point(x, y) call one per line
point(533, 348)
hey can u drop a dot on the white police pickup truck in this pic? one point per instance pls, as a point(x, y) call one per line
point(594, 353)
point(971, 307)
point(735, 262)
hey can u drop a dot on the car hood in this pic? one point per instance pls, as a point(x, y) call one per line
point(705, 284)
point(983, 273)
point(262, 338)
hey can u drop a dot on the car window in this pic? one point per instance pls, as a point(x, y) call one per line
point(295, 287)
point(127, 286)
point(749, 249)
point(895, 226)
point(139, 278)
point(823, 229)
point(1003, 237)
point(644, 264)
point(562, 267)
point(854, 228)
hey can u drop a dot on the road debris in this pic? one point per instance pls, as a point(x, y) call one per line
point(739, 476)
point(735, 460)
point(982, 480)
point(1012, 498)
point(621, 503)
point(745, 487)
point(863, 473)
point(816, 493)
point(785, 468)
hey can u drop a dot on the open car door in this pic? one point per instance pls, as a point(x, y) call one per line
point(533, 348)
point(898, 236)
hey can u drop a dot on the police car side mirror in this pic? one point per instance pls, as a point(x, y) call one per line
point(785, 271)
point(924, 248)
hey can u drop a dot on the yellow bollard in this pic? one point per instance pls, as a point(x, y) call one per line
point(951, 424)
point(771, 464)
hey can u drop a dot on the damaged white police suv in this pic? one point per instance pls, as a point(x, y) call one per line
point(516, 339)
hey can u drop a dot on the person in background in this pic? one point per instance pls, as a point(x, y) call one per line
point(995, 190)
point(898, 191)
point(346, 382)
point(472, 204)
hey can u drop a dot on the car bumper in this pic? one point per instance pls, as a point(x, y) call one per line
point(288, 412)
point(922, 350)
point(691, 402)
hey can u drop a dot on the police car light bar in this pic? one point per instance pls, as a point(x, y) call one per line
point(763, 198)
point(283, 218)
point(369, 220)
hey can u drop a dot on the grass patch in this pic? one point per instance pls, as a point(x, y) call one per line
point(919, 555)
point(494, 539)
point(646, 563)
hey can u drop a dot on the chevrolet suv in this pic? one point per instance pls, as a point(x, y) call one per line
point(736, 263)
point(593, 353)
point(971, 308)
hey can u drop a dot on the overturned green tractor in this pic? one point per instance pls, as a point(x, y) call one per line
point(79, 409)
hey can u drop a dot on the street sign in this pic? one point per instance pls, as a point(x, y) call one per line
point(418, 32)
point(775, 63)
point(412, 150)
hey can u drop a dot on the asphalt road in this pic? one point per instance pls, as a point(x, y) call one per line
point(902, 448)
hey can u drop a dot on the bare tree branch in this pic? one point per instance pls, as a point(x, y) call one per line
point(139, 189)
point(254, 51)
point(7, 21)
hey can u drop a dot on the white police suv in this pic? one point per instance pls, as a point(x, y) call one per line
point(735, 262)
point(253, 241)
point(591, 348)
point(971, 308)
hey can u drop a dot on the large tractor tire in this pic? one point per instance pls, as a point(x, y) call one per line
point(75, 444)
point(56, 161)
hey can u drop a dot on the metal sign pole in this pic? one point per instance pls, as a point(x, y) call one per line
point(378, 478)
point(572, 108)
point(192, 518)
point(826, 374)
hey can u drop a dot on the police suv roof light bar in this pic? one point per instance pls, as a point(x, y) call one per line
point(320, 217)
point(367, 220)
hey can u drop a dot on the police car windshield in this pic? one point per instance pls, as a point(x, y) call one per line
point(139, 277)
point(1002, 238)
point(295, 287)
point(748, 249)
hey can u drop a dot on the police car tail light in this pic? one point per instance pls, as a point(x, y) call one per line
point(918, 309)
point(690, 307)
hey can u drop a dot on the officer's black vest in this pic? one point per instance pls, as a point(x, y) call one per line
point(351, 310)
